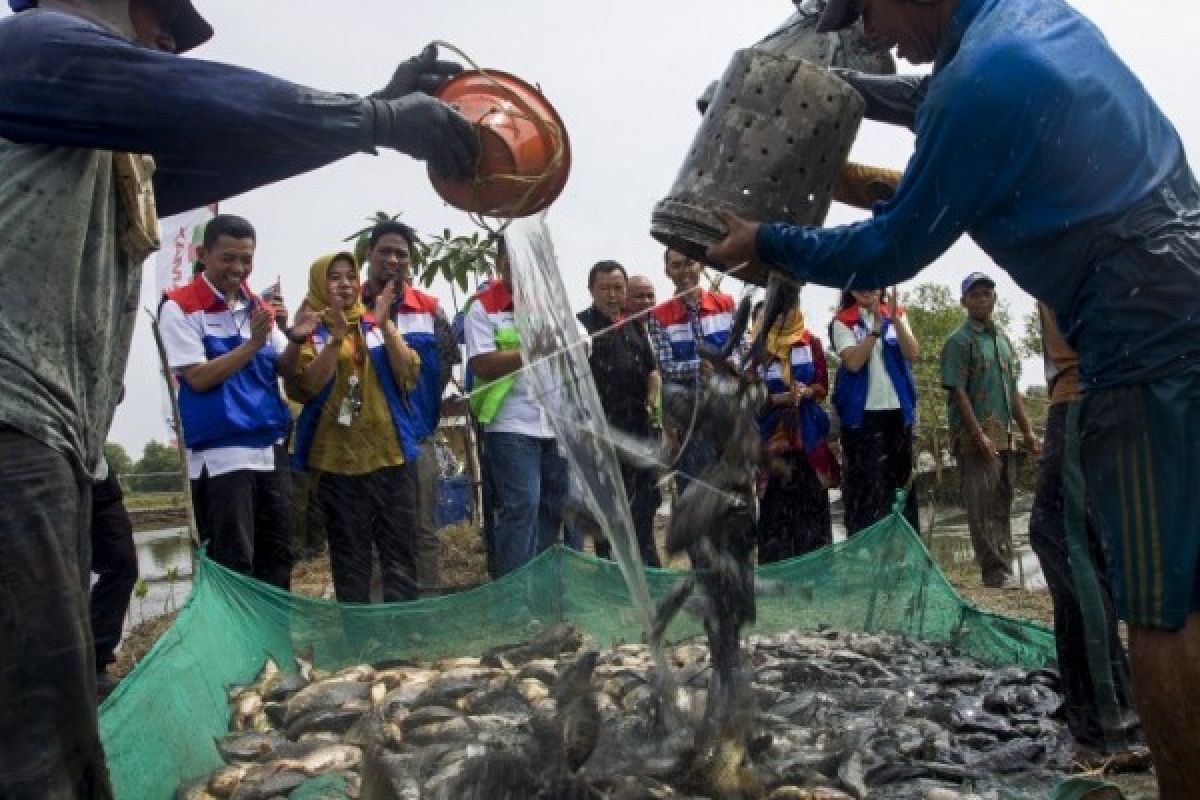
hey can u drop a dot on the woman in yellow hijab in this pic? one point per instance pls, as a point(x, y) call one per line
point(794, 516)
point(352, 375)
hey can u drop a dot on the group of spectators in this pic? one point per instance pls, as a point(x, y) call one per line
point(638, 347)
point(365, 361)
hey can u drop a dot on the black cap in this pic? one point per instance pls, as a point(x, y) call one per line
point(189, 28)
point(838, 14)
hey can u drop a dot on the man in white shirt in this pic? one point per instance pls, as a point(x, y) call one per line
point(521, 457)
point(222, 344)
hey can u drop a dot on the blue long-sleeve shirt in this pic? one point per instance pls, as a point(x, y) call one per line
point(71, 95)
point(214, 130)
point(1039, 142)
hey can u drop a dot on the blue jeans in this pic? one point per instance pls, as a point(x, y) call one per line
point(529, 479)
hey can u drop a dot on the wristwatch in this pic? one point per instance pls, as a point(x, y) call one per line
point(293, 338)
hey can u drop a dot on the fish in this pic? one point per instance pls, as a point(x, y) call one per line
point(818, 714)
point(324, 695)
point(194, 790)
point(244, 747)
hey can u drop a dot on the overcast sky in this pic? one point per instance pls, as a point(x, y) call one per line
point(623, 75)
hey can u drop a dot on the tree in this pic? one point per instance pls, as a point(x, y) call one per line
point(456, 259)
point(158, 469)
point(1030, 345)
point(118, 459)
point(934, 313)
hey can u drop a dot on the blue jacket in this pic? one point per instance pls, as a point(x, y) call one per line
point(407, 426)
point(850, 391)
point(416, 314)
point(1040, 143)
point(246, 409)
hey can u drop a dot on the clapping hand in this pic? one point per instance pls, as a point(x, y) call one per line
point(261, 320)
point(305, 323)
point(384, 303)
point(335, 322)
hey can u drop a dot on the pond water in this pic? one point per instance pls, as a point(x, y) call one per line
point(165, 564)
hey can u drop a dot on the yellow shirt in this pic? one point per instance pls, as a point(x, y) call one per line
point(370, 442)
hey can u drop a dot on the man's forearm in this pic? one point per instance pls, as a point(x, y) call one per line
point(401, 357)
point(856, 356)
point(211, 374)
point(963, 404)
point(496, 364)
point(1021, 417)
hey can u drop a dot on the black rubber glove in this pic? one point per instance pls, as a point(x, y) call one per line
point(890, 98)
point(428, 130)
point(421, 73)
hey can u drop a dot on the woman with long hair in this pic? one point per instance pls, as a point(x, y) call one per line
point(794, 514)
point(352, 375)
point(876, 401)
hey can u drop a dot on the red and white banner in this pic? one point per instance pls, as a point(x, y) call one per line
point(180, 236)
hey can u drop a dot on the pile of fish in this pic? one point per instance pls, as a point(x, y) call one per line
point(826, 715)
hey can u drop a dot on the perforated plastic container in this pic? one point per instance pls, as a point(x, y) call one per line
point(771, 145)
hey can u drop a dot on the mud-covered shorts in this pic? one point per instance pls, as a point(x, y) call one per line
point(1140, 448)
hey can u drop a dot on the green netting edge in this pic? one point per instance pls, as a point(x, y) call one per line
point(158, 726)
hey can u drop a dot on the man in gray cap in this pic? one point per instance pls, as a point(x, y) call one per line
point(102, 125)
point(979, 373)
point(1034, 138)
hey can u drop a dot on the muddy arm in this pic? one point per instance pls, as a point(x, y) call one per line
point(862, 186)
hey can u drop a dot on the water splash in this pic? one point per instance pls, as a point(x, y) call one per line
point(562, 382)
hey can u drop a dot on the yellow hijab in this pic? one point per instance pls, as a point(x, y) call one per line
point(783, 336)
point(318, 288)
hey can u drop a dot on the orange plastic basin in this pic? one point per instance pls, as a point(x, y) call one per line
point(520, 135)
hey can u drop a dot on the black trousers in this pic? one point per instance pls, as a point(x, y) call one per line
point(245, 519)
point(49, 738)
point(879, 456)
point(793, 517)
point(641, 489)
point(1048, 537)
point(380, 509)
point(114, 561)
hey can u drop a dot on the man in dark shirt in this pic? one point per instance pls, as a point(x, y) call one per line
point(624, 369)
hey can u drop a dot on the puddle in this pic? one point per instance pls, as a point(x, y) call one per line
point(161, 554)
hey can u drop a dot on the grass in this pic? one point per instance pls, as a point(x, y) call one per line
point(142, 501)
